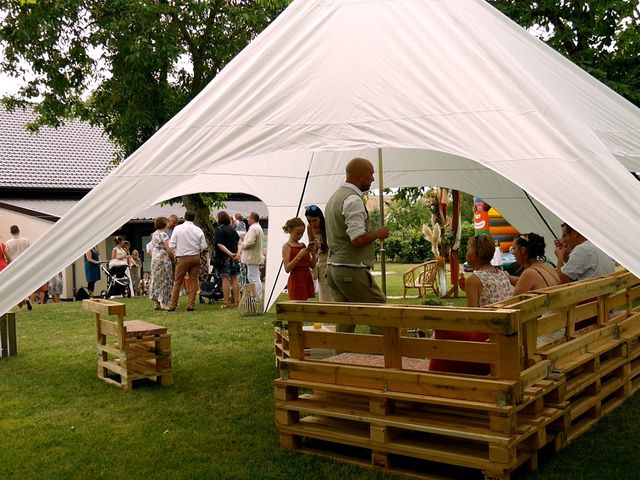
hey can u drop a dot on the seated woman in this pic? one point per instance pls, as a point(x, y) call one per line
point(528, 249)
point(529, 252)
point(484, 286)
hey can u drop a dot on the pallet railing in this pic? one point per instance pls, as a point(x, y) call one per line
point(536, 393)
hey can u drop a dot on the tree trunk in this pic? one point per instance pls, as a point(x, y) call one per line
point(194, 203)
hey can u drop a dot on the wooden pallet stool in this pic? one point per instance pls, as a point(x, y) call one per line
point(129, 350)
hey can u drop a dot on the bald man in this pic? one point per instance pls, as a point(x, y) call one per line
point(350, 241)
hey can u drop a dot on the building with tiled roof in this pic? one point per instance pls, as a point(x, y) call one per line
point(72, 158)
point(44, 174)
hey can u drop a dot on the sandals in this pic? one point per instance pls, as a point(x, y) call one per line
point(225, 305)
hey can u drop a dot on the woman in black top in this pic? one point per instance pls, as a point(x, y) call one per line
point(227, 259)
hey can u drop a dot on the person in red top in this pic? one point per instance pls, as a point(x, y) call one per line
point(5, 256)
point(298, 261)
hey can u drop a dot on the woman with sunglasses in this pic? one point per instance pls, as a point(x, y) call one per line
point(528, 249)
point(317, 233)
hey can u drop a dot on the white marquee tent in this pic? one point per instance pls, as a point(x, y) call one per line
point(454, 93)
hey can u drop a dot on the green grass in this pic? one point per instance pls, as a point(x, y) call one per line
point(58, 420)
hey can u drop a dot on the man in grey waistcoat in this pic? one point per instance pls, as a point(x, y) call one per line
point(350, 241)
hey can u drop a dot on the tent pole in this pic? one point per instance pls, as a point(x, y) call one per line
point(383, 267)
point(304, 188)
point(540, 214)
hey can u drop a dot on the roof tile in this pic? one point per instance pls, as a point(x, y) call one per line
point(73, 156)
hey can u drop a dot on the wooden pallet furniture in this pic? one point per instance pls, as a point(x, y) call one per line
point(129, 350)
point(8, 337)
point(393, 415)
point(421, 277)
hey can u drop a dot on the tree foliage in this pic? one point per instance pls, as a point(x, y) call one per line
point(126, 66)
point(602, 36)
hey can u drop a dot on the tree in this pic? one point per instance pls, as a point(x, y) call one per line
point(602, 37)
point(126, 66)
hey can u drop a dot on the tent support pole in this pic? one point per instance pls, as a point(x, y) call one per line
point(304, 189)
point(540, 214)
point(383, 267)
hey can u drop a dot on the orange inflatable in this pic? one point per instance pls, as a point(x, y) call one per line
point(501, 230)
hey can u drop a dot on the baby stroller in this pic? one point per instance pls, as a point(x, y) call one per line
point(117, 281)
point(211, 287)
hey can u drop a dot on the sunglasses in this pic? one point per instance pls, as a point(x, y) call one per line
point(311, 208)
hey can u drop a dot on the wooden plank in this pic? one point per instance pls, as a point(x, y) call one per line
point(529, 341)
point(570, 294)
point(507, 365)
point(435, 423)
point(104, 307)
point(414, 316)
point(296, 340)
point(564, 350)
point(551, 322)
point(586, 310)
point(529, 305)
point(351, 342)
point(392, 348)
point(467, 405)
point(464, 387)
point(630, 327)
point(107, 327)
point(534, 373)
point(480, 352)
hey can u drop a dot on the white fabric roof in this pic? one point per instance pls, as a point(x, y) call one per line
point(453, 92)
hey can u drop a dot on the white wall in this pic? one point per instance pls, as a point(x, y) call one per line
point(35, 229)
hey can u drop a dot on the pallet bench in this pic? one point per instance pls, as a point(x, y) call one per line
point(129, 350)
point(535, 396)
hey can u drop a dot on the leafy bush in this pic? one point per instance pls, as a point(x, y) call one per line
point(467, 232)
point(407, 246)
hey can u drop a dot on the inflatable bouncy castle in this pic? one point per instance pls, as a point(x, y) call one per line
point(488, 221)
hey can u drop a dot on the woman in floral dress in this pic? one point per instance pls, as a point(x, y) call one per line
point(162, 259)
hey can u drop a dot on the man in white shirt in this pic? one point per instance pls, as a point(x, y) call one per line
point(585, 259)
point(251, 251)
point(350, 241)
point(16, 245)
point(187, 242)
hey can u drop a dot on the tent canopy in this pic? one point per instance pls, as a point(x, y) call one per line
point(455, 93)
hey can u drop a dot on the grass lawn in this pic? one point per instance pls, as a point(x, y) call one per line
point(57, 420)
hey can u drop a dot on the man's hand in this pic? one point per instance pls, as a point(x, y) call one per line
point(380, 233)
point(560, 251)
point(368, 238)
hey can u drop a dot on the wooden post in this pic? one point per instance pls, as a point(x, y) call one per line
point(296, 340)
point(8, 339)
point(454, 264)
point(392, 349)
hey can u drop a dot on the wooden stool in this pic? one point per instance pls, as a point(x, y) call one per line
point(129, 350)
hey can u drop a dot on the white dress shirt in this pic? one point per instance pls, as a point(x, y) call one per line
point(355, 213)
point(187, 239)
